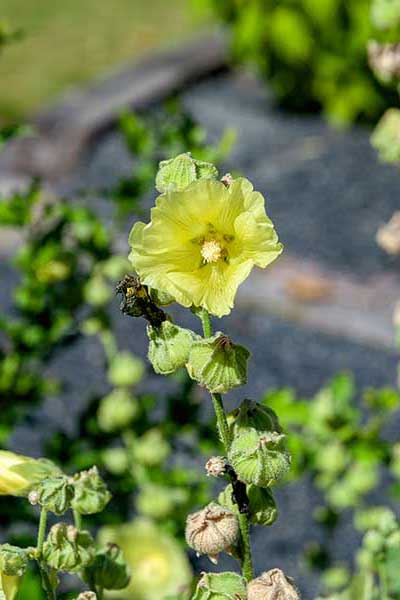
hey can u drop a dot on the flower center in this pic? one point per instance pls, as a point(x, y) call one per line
point(211, 251)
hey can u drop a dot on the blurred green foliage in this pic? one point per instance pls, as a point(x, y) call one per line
point(312, 53)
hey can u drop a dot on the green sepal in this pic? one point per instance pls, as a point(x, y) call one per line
point(67, 549)
point(218, 364)
point(55, 494)
point(259, 458)
point(220, 586)
point(262, 506)
point(108, 570)
point(169, 347)
point(91, 493)
point(13, 560)
point(179, 172)
point(252, 415)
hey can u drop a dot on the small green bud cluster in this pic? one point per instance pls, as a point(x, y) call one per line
point(85, 492)
point(68, 549)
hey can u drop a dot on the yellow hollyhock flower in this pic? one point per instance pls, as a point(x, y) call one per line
point(18, 474)
point(202, 243)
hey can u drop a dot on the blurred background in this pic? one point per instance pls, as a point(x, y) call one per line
point(289, 93)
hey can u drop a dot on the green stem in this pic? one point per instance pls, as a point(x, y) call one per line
point(41, 532)
point(77, 519)
point(226, 438)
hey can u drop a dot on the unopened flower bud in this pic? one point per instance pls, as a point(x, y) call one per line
point(19, 474)
point(109, 569)
point(272, 585)
point(262, 506)
point(227, 179)
point(218, 364)
point(259, 458)
point(216, 466)
point(169, 347)
point(125, 369)
point(388, 235)
point(67, 549)
point(221, 586)
point(212, 530)
point(251, 414)
point(55, 494)
point(117, 410)
point(179, 172)
point(33, 497)
point(386, 137)
point(151, 449)
point(13, 560)
point(91, 493)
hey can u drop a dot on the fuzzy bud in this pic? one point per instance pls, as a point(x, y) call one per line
point(262, 506)
point(388, 236)
point(220, 586)
point(91, 493)
point(67, 549)
point(179, 172)
point(212, 530)
point(216, 466)
point(151, 449)
point(13, 560)
point(55, 494)
point(109, 569)
point(251, 414)
point(227, 179)
point(117, 410)
point(272, 585)
point(169, 347)
point(87, 596)
point(384, 60)
point(125, 369)
point(259, 458)
point(218, 364)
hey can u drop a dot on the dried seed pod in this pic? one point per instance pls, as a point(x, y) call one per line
point(216, 466)
point(272, 585)
point(259, 458)
point(212, 530)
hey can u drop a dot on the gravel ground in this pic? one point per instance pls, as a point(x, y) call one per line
point(327, 196)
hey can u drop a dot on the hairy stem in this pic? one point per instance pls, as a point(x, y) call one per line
point(46, 583)
point(41, 532)
point(77, 519)
point(225, 435)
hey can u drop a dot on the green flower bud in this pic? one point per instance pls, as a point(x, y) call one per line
point(262, 506)
point(179, 172)
point(386, 136)
point(218, 364)
point(91, 494)
point(151, 449)
point(158, 501)
point(109, 569)
point(19, 474)
point(374, 541)
point(169, 347)
point(212, 530)
point(270, 585)
point(220, 586)
point(67, 549)
point(116, 460)
point(251, 414)
point(160, 298)
point(117, 410)
point(385, 14)
point(54, 494)
point(97, 291)
point(13, 560)
point(259, 458)
point(125, 369)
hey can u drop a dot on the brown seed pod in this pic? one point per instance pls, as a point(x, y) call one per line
point(272, 585)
